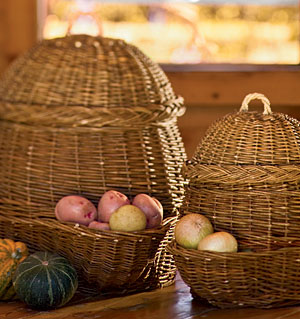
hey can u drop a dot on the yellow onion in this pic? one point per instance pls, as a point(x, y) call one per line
point(219, 242)
point(191, 228)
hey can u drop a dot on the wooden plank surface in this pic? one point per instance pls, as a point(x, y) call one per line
point(173, 302)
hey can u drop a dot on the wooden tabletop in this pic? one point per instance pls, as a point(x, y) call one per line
point(173, 302)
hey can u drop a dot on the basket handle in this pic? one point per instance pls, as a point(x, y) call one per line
point(77, 15)
point(258, 96)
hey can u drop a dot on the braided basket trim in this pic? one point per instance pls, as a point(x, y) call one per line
point(228, 174)
point(80, 116)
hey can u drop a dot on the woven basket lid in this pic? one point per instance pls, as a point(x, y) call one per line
point(80, 80)
point(249, 145)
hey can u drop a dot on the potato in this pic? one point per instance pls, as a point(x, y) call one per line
point(128, 218)
point(109, 203)
point(151, 207)
point(75, 208)
point(98, 225)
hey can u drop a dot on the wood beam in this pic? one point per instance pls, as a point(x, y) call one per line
point(230, 87)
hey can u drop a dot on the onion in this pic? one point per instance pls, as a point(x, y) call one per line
point(191, 228)
point(222, 242)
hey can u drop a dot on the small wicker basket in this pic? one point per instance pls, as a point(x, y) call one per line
point(83, 115)
point(245, 177)
point(245, 174)
point(262, 278)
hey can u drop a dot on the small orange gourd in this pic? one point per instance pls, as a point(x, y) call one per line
point(11, 254)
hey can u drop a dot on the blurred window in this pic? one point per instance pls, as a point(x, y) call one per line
point(259, 32)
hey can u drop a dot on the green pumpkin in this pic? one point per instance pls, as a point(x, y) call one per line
point(45, 280)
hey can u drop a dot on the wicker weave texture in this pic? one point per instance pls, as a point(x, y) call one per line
point(245, 174)
point(248, 210)
point(265, 279)
point(81, 80)
point(83, 115)
point(108, 261)
point(40, 165)
point(250, 138)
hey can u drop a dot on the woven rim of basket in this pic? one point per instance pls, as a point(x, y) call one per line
point(76, 229)
point(194, 254)
point(80, 116)
point(241, 174)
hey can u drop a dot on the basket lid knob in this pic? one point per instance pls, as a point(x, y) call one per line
point(252, 96)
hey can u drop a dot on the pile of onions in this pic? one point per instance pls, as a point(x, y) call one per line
point(219, 242)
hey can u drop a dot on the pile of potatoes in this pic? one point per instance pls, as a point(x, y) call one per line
point(114, 211)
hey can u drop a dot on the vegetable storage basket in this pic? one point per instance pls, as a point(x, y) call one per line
point(82, 115)
point(257, 277)
point(245, 174)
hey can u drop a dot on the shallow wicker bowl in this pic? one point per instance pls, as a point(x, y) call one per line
point(83, 115)
point(257, 277)
point(245, 174)
point(107, 261)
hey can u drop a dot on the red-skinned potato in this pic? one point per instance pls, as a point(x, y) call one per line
point(109, 203)
point(99, 225)
point(75, 208)
point(151, 207)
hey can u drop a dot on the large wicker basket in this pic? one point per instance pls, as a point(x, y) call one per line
point(245, 174)
point(82, 115)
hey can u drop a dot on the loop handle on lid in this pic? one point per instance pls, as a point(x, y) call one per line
point(77, 15)
point(259, 96)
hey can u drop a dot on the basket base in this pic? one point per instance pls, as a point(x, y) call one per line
point(262, 304)
point(90, 290)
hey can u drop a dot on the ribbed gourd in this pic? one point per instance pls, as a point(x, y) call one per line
point(45, 280)
point(11, 254)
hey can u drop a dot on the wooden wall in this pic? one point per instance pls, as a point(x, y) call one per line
point(210, 91)
point(18, 28)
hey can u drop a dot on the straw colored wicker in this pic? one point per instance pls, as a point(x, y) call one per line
point(82, 115)
point(245, 174)
point(106, 261)
point(262, 279)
